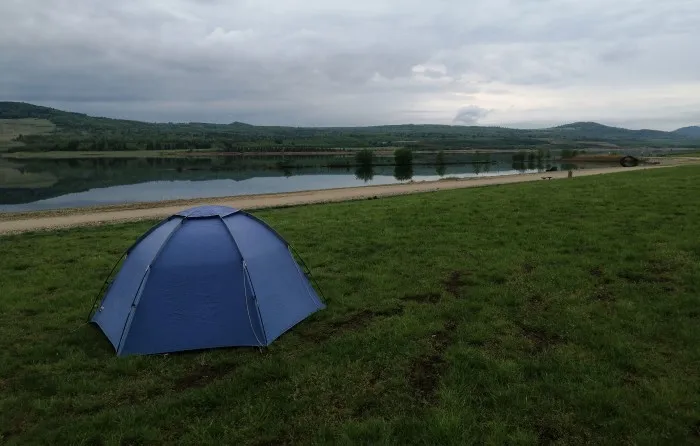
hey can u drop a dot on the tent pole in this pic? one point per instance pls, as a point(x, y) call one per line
point(308, 270)
point(92, 308)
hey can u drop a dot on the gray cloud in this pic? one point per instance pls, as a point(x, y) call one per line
point(359, 62)
point(469, 115)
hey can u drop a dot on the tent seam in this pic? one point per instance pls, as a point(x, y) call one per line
point(250, 280)
point(145, 273)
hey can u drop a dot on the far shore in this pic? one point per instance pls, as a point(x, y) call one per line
point(332, 151)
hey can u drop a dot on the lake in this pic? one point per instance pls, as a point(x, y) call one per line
point(44, 184)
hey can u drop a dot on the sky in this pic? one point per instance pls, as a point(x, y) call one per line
point(515, 63)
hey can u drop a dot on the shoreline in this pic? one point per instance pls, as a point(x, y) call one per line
point(18, 222)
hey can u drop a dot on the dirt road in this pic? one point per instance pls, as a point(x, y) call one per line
point(43, 220)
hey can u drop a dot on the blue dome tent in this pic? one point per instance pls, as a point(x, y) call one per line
point(206, 277)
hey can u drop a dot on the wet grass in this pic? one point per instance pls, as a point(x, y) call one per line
point(552, 312)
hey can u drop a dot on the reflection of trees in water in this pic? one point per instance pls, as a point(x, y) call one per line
point(403, 172)
point(487, 163)
point(440, 167)
point(531, 160)
point(365, 160)
point(403, 168)
point(518, 162)
point(481, 163)
point(522, 161)
point(364, 172)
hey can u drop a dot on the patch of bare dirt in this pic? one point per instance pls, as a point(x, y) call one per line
point(29, 312)
point(547, 434)
point(596, 271)
point(17, 425)
point(355, 321)
point(455, 282)
point(604, 294)
point(203, 375)
point(655, 271)
point(366, 407)
point(281, 441)
point(426, 370)
point(499, 280)
point(539, 339)
point(423, 298)
point(637, 277)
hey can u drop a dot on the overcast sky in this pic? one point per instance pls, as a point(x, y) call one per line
point(522, 63)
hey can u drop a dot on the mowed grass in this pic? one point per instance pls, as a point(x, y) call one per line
point(552, 312)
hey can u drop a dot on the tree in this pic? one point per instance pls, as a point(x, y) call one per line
point(403, 157)
point(440, 158)
point(364, 157)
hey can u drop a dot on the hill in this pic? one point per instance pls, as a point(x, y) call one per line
point(77, 131)
point(692, 131)
point(593, 129)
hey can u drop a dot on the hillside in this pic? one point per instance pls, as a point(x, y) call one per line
point(586, 130)
point(691, 132)
point(77, 131)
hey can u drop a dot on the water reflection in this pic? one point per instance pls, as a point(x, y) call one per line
point(487, 163)
point(403, 172)
point(403, 164)
point(531, 161)
point(364, 172)
point(440, 167)
point(53, 183)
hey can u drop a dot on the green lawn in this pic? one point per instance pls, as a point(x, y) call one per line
point(559, 311)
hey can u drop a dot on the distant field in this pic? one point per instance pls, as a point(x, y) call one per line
point(12, 128)
point(559, 312)
point(102, 154)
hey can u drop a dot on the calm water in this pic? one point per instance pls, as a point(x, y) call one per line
point(52, 184)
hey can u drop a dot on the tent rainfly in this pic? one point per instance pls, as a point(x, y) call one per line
point(206, 277)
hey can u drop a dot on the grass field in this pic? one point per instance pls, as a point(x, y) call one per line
point(12, 128)
point(553, 312)
point(103, 154)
